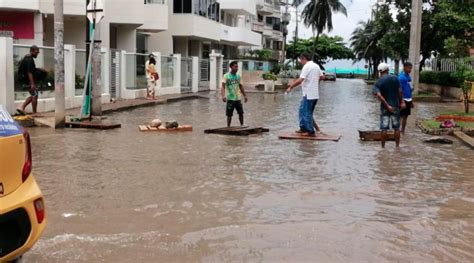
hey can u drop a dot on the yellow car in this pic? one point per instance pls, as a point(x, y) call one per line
point(22, 211)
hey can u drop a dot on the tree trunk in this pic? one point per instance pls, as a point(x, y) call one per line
point(314, 47)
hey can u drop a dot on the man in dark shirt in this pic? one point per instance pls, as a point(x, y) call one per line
point(29, 76)
point(388, 91)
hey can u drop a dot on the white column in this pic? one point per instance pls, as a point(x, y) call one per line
point(241, 67)
point(7, 90)
point(123, 75)
point(177, 72)
point(195, 70)
point(106, 71)
point(415, 40)
point(213, 71)
point(220, 65)
point(70, 74)
point(158, 69)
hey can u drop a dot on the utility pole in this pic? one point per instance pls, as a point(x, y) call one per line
point(415, 42)
point(59, 95)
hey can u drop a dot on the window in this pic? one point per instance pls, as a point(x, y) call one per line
point(269, 20)
point(260, 18)
point(182, 6)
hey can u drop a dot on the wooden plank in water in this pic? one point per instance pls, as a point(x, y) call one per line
point(320, 137)
point(148, 128)
point(469, 141)
point(237, 130)
point(98, 125)
point(375, 135)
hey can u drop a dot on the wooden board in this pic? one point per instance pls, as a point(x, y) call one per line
point(469, 141)
point(375, 135)
point(148, 128)
point(98, 125)
point(237, 130)
point(320, 137)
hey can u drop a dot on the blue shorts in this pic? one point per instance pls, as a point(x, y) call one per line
point(387, 118)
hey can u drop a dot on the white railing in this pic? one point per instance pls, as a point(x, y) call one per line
point(448, 64)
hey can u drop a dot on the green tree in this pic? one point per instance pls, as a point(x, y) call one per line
point(317, 14)
point(324, 48)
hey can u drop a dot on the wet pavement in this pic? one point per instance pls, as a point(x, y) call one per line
point(126, 196)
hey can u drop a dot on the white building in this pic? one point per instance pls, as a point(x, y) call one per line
point(188, 27)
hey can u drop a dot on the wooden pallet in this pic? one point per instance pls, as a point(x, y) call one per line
point(375, 136)
point(97, 125)
point(237, 130)
point(148, 128)
point(466, 139)
point(320, 137)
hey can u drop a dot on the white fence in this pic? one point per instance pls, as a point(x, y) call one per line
point(448, 64)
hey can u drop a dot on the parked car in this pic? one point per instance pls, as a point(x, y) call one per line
point(22, 210)
point(330, 77)
point(322, 76)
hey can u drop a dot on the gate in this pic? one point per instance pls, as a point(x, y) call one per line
point(186, 75)
point(115, 61)
point(204, 74)
point(225, 67)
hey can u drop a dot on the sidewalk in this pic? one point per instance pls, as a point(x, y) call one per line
point(123, 104)
point(47, 118)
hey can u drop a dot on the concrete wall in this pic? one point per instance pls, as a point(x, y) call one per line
point(74, 32)
point(181, 46)
point(161, 42)
point(443, 91)
point(127, 39)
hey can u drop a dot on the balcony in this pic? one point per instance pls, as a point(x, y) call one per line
point(155, 16)
point(265, 7)
point(240, 36)
point(190, 25)
point(130, 12)
point(26, 5)
point(277, 35)
point(71, 7)
point(257, 26)
point(239, 7)
point(268, 31)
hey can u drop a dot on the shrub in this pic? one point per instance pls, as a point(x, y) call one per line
point(439, 78)
point(269, 76)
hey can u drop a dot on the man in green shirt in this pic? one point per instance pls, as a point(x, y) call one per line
point(231, 92)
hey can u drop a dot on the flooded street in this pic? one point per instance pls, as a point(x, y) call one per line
point(126, 196)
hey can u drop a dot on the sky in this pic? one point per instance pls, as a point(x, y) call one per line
point(357, 10)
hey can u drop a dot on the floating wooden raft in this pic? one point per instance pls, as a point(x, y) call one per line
point(375, 135)
point(98, 125)
point(320, 137)
point(237, 130)
point(148, 128)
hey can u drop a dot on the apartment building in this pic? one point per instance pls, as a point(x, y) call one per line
point(188, 27)
point(269, 23)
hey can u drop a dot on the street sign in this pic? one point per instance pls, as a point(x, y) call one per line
point(95, 11)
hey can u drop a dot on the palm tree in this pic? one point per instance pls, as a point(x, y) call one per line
point(365, 43)
point(317, 14)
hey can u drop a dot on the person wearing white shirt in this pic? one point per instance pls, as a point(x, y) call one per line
point(309, 81)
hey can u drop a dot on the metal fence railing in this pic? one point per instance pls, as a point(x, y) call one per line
point(45, 61)
point(167, 71)
point(448, 64)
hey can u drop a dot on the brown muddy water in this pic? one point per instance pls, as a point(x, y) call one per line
point(126, 196)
